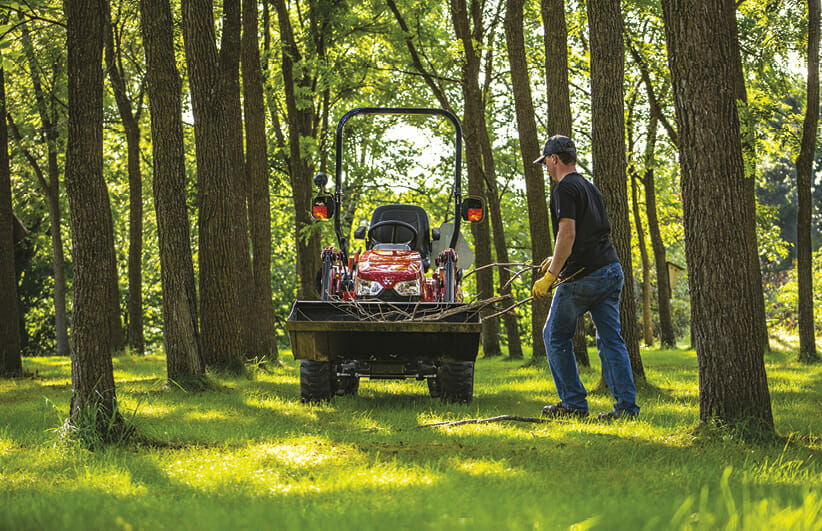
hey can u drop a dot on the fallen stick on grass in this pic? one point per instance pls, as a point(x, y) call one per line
point(484, 421)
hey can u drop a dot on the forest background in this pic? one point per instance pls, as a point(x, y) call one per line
point(319, 59)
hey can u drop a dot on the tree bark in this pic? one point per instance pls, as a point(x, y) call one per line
point(257, 179)
point(131, 125)
point(667, 338)
point(748, 136)
point(300, 128)
point(733, 383)
point(11, 361)
point(581, 343)
point(230, 49)
point(556, 67)
point(51, 189)
point(478, 178)
point(181, 334)
point(560, 120)
point(538, 220)
point(608, 150)
point(219, 305)
point(92, 376)
point(804, 173)
point(647, 327)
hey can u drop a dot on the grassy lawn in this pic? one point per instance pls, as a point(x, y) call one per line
point(251, 456)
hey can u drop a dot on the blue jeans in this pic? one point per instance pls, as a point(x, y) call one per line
point(599, 294)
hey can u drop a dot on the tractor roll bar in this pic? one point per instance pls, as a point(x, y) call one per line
point(457, 194)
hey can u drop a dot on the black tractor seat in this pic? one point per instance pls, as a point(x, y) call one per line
point(383, 236)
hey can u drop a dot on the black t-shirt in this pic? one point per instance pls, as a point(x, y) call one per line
point(577, 198)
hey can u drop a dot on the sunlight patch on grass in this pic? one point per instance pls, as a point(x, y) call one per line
point(484, 467)
point(307, 454)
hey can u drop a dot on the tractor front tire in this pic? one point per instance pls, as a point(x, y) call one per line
point(347, 384)
point(456, 381)
point(317, 382)
point(434, 387)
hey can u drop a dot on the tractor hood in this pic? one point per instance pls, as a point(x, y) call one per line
point(389, 267)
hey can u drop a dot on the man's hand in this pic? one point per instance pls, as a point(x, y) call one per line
point(543, 267)
point(544, 286)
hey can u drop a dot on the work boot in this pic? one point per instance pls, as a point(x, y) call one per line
point(616, 415)
point(559, 410)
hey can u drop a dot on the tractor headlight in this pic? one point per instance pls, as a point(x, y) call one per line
point(408, 288)
point(370, 288)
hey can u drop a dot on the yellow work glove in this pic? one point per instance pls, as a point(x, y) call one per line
point(543, 286)
point(543, 267)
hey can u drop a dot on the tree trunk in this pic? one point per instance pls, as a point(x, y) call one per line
point(804, 173)
point(249, 318)
point(538, 220)
point(667, 338)
point(581, 343)
point(300, 126)
point(219, 305)
point(556, 67)
point(51, 190)
point(257, 180)
point(477, 170)
point(131, 126)
point(560, 121)
point(733, 383)
point(647, 328)
point(181, 335)
point(92, 376)
point(748, 137)
point(608, 150)
point(11, 361)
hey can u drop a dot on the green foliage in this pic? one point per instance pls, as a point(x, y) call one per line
point(782, 296)
point(247, 452)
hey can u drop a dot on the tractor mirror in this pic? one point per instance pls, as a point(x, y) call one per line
point(435, 234)
point(473, 208)
point(322, 207)
point(359, 234)
point(321, 179)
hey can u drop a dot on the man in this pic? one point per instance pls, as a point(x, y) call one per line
point(587, 276)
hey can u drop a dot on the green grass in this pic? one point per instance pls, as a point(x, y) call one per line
point(251, 456)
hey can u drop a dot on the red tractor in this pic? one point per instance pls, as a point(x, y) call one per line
point(394, 310)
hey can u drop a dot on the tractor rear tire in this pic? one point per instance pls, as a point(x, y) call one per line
point(456, 381)
point(317, 382)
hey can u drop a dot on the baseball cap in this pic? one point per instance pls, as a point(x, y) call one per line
point(557, 144)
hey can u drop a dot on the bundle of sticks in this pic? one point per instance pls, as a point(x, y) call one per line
point(361, 311)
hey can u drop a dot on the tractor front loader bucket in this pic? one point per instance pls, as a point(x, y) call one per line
point(382, 331)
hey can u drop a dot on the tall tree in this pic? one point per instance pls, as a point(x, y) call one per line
point(301, 119)
point(471, 32)
point(259, 214)
point(51, 116)
point(230, 51)
point(92, 375)
point(560, 120)
point(555, 35)
point(608, 150)
point(130, 118)
point(748, 137)
point(647, 327)
point(804, 172)
point(667, 338)
point(11, 362)
point(538, 220)
point(181, 334)
point(219, 305)
point(733, 383)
